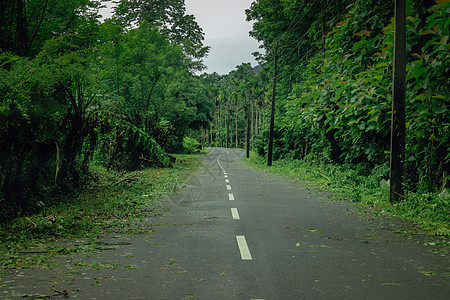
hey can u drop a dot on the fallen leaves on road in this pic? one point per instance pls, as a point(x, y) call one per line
point(198, 279)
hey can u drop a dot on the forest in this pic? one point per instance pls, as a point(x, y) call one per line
point(334, 86)
point(124, 93)
point(76, 91)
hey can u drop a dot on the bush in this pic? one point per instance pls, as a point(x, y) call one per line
point(190, 145)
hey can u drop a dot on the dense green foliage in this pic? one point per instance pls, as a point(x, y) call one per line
point(334, 84)
point(74, 90)
point(122, 92)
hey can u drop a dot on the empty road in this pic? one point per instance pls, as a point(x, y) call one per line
point(240, 233)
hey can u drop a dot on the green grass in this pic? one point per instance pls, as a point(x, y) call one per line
point(431, 212)
point(115, 203)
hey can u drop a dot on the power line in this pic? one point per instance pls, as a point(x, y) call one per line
point(301, 39)
point(292, 25)
point(297, 42)
point(310, 27)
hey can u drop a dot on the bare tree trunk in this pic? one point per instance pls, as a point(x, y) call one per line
point(149, 97)
point(218, 131)
point(258, 119)
point(211, 134)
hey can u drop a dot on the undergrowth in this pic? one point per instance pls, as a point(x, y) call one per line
point(430, 211)
point(115, 201)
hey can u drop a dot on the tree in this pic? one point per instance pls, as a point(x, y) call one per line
point(88, 93)
point(169, 16)
point(26, 25)
point(334, 90)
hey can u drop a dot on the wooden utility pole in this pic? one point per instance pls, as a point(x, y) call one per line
point(272, 113)
point(228, 119)
point(248, 129)
point(398, 104)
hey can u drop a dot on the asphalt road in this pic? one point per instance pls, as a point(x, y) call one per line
point(240, 233)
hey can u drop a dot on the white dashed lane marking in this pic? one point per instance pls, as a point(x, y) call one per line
point(230, 197)
point(235, 214)
point(228, 187)
point(227, 181)
point(243, 248)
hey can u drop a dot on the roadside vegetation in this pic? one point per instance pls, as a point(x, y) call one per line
point(115, 202)
point(429, 211)
point(77, 91)
point(329, 69)
point(90, 108)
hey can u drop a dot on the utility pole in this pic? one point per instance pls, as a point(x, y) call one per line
point(248, 128)
point(272, 113)
point(398, 104)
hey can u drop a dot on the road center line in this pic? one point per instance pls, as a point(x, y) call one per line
point(218, 160)
point(235, 214)
point(227, 181)
point(230, 197)
point(228, 187)
point(243, 248)
point(226, 176)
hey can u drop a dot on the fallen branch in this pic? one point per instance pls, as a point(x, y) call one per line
point(36, 252)
point(128, 179)
point(159, 164)
point(64, 293)
point(31, 222)
point(323, 176)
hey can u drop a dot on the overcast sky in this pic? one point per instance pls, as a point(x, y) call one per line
point(226, 32)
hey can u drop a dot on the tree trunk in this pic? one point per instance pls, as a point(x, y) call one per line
point(151, 92)
point(22, 31)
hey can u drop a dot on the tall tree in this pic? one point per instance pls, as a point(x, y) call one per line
point(26, 25)
point(170, 17)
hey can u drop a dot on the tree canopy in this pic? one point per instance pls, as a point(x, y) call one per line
point(75, 91)
point(334, 83)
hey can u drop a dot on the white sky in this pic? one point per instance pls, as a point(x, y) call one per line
point(226, 32)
